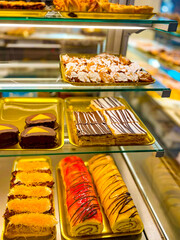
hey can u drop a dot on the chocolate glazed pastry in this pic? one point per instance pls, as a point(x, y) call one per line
point(8, 135)
point(82, 206)
point(42, 119)
point(115, 198)
point(38, 137)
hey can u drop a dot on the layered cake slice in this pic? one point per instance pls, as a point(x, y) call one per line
point(25, 165)
point(83, 209)
point(115, 198)
point(107, 103)
point(8, 135)
point(119, 116)
point(128, 133)
point(95, 117)
point(41, 119)
point(30, 225)
point(23, 192)
point(93, 134)
point(32, 179)
point(38, 137)
point(29, 205)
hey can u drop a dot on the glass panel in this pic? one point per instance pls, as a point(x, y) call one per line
point(158, 179)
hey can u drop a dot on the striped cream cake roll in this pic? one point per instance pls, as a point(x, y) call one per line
point(83, 209)
point(115, 198)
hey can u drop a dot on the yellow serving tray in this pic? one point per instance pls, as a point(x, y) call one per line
point(23, 13)
point(15, 110)
point(105, 15)
point(39, 159)
point(83, 104)
point(62, 69)
point(64, 222)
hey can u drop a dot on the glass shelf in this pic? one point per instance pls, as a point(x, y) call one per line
point(58, 85)
point(70, 149)
point(170, 69)
point(55, 21)
point(31, 76)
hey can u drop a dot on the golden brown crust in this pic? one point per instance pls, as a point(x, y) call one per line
point(99, 6)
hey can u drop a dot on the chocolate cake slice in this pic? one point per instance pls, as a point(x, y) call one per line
point(38, 137)
point(8, 135)
point(41, 119)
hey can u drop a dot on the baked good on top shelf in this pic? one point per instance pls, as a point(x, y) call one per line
point(115, 198)
point(103, 68)
point(38, 137)
point(22, 5)
point(9, 135)
point(41, 119)
point(99, 6)
point(107, 103)
point(83, 209)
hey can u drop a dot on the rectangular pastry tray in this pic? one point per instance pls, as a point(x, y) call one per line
point(83, 104)
point(15, 110)
point(104, 15)
point(23, 13)
point(39, 159)
point(62, 70)
point(64, 222)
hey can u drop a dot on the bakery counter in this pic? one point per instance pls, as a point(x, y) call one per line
point(150, 226)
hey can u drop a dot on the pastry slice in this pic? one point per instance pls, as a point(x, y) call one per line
point(8, 135)
point(29, 205)
point(25, 165)
point(83, 209)
point(115, 198)
point(108, 103)
point(93, 134)
point(88, 117)
point(30, 225)
point(22, 192)
point(32, 179)
point(128, 133)
point(42, 119)
point(119, 116)
point(38, 137)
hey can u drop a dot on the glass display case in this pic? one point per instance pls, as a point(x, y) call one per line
point(141, 166)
